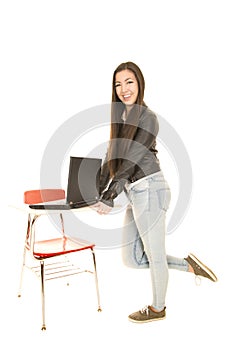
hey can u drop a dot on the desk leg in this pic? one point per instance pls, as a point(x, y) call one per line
point(96, 280)
point(42, 294)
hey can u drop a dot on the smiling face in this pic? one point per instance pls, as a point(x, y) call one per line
point(126, 86)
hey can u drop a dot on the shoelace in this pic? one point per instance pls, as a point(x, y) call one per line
point(145, 309)
point(197, 280)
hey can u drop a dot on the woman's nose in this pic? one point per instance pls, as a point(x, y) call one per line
point(124, 88)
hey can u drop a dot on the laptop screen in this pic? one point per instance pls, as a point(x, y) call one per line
point(83, 180)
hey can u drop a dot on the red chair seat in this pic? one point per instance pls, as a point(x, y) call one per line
point(59, 246)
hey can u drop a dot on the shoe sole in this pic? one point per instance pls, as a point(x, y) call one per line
point(204, 267)
point(146, 321)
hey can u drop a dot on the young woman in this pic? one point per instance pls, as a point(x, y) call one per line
point(132, 165)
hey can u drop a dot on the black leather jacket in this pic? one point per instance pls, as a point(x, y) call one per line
point(141, 159)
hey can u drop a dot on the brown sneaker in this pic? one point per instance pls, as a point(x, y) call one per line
point(200, 269)
point(147, 315)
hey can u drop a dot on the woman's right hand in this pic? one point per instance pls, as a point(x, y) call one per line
point(101, 208)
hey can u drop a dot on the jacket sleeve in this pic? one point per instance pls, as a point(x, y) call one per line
point(143, 141)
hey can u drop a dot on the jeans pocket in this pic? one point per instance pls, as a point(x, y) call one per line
point(140, 187)
point(164, 197)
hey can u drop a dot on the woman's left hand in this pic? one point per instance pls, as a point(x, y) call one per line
point(101, 208)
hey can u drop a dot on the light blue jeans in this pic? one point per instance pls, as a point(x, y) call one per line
point(144, 234)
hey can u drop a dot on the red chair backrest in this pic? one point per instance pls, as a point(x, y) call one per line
point(43, 195)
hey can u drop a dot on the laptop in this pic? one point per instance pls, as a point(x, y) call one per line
point(82, 187)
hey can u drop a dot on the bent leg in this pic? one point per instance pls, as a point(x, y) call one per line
point(133, 254)
point(177, 263)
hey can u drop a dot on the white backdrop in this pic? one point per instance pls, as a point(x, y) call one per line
point(57, 59)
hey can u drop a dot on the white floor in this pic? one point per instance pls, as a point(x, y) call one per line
point(197, 317)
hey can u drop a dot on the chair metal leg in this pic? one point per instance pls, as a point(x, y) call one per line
point(62, 225)
point(42, 294)
point(22, 272)
point(96, 280)
point(24, 254)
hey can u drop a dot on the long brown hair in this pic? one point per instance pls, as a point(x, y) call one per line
point(118, 131)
